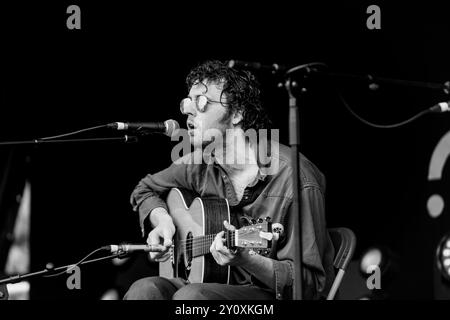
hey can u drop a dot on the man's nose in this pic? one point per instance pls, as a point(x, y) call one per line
point(188, 108)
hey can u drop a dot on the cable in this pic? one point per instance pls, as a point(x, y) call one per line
point(375, 125)
point(381, 126)
point(74, 132)
point(74, 265)
point(303, 66)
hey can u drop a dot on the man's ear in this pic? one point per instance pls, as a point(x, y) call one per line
point(237, 118)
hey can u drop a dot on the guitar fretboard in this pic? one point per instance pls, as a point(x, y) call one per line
point(200, 245)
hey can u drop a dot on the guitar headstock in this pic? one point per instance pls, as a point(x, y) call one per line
point(256, 236)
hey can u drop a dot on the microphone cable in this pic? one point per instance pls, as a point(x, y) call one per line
point(73, 133)
point(381, 126)
point(353, 113)
point(72, 266)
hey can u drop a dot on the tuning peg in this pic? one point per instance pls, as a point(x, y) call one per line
point(259, 251)
point(253, 221)
point(268, 219)
point(260, 220)
point(278, 228)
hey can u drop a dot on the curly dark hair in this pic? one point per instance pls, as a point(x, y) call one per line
point(240, 88)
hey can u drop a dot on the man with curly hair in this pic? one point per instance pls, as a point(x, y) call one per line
point(227, 101)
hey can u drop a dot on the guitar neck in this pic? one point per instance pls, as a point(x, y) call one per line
point(200, 245)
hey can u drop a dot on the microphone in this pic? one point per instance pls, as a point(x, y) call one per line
point(167, 127)
point(125, 248)
point(440, 107)
point(273, 68)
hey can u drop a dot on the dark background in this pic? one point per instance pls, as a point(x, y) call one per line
point(128, 63)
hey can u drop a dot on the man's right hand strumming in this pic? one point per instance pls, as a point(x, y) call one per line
point(162, 233)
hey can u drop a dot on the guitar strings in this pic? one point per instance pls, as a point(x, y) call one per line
point(202, 242)
point(199, 242)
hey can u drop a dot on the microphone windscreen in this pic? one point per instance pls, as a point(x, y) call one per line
point(172, 127)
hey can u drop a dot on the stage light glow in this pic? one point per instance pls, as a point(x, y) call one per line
point(446, 253)
point(372, 257)
point(443, 256)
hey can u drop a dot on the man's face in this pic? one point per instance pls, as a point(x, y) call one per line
point(211, 119)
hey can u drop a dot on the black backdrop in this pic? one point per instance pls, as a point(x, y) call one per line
point(128, 62)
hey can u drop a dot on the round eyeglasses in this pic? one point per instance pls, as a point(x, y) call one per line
point(200, 103)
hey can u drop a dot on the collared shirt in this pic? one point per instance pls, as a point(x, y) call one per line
point(271, 195)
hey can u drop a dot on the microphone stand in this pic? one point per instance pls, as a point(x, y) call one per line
point(445, 87)
point(49, 269)
point(294, 142)
point(17, 278)
point(125, 138)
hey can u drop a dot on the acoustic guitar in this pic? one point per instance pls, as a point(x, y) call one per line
point(197, 223)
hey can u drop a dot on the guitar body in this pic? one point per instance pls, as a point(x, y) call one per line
point(196, 225)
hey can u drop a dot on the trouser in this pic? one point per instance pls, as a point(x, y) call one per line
point(158, 288)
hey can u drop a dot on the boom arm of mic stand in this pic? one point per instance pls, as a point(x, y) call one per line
point(317, 68)
point(125, 138)
point(47, 270)
point(294, 141)
point(445, 87)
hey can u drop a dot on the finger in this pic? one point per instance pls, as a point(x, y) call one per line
point(162, 259)
point(218, 241)
point(160, 256)
point(219, 236)
point(157, 254)
point(212, 248)
point(153, 238)
point(167, 237)
point(164, 254)
point(218, 258)
point(153, 256)
point(223, 250)
point(228, 226)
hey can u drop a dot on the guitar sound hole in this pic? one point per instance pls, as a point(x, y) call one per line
point(188, 253)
